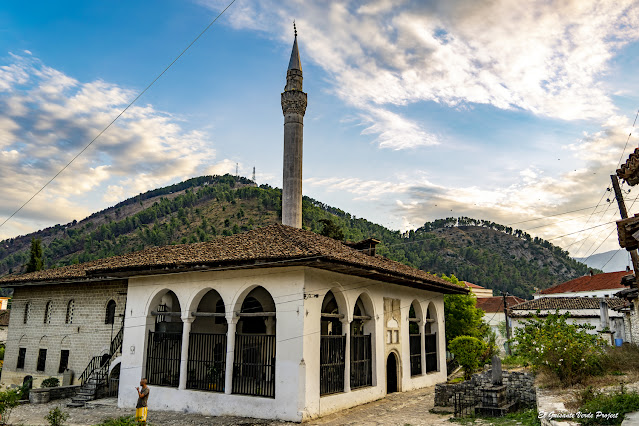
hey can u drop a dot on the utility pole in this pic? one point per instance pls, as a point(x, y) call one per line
point(624, 215)
point(503, 295)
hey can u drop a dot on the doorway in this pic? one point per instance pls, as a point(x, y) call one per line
point(391, 373)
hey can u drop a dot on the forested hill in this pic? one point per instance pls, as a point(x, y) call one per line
point(203, 208)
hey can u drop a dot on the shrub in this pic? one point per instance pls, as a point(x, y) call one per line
point(120, 421)
point(600, 406)
point(50, 382)
point(568, 351)
point(468, 352)
point(9, 399)
point(56, 417)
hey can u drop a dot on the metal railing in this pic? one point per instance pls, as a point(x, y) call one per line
point(332, 363)
point(361, 361)
point(415, 341)
point(207, 362)
point(163, 358)
point(254, 365)
point(431, 352)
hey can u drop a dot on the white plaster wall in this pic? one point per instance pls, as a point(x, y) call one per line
point(608, 292)
point(616, 321)
point(285, 286)
point(346, 290)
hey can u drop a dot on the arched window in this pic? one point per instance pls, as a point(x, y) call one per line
point(430, 331)
point(69, 317)
point(361, 348)
point(27, 312)
point(415, 340)
point(110, 312)
point(47, 312)
point(332, 347)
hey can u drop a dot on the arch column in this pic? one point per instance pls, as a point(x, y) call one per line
point(230, 352)
point(346, 326)
point(423, 343)
point(184, 356)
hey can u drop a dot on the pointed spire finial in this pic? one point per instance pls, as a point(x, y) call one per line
point(294, 28)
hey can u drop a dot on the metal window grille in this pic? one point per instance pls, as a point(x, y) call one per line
point(163, 358)
point(361, 361)
point(69, 317)
point(431, 352)
point(22, 354)
point(47, 313)
point(64, 360)
point(42, 360)
point(207, 362)
point(27, 313)
point(254, 365)
point(415, 354)
point(332, 363)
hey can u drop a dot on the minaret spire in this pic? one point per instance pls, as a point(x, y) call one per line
point(294, 102)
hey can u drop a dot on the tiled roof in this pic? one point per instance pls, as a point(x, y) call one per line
point(628, 170)
point(567, 303)
point(275, 245)
point(496, 303)
point(605, 281)
point(471, 285)
point(4, 318)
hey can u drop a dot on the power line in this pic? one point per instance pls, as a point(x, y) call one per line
point(118, 116)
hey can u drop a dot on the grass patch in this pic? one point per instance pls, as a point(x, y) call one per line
point(523, 418)
point(120, 421)
point(456, 380)
point(607, 409)
point(514, 361)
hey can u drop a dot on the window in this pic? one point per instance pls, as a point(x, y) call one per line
point(64, 360)
point(47, 312)
point(69, 318)
point(42, 360)
point(22, 354)
point(110, 312)
point(27, 312)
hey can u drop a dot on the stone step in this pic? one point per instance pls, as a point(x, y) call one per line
point(75, 404)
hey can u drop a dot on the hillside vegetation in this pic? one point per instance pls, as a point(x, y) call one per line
point(206, 207)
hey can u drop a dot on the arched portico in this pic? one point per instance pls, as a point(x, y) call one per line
point(361, 342)
point(415, 318)
point(431, 328)
point(332, 347)
point(164, 344)
point(254, 348)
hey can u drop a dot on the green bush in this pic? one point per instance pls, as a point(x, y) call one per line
point(566, 350)
point(120, 421)
point(610, 409)
point(468, 352)
point(9, 399)
point(50, 382)
point(56, 417)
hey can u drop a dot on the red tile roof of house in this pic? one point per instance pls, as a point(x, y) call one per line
point(471, 285)
point(496, 303)
point(270, 246)
point(605, 281)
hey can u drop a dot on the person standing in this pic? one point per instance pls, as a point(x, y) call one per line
point(140, 407)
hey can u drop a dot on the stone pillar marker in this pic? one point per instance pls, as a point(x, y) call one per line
point(496, 371)
point(230, 354)
point(184, 355)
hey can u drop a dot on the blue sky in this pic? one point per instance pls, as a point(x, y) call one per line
point(417, 110)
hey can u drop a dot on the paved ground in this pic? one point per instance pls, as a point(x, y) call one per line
point(408, 408)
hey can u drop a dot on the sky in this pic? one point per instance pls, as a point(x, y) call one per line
point(516, 112)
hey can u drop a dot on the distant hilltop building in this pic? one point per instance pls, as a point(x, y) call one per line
point(277, 322)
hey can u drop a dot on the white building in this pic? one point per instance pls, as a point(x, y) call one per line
point(495, 317)
point(592, 285)
point(582, 310)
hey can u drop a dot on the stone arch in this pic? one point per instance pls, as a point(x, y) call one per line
point(65, 343)
point(208, 300)
point(393, 372)
point(68, 319)
point(44, 342)
point(24, 341)
point(431, 337)
point(258, 300)
point(330, 325)
point(363, 306)
point(110, 308)
point(27, 312)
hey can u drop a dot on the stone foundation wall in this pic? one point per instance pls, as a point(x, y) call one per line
point(519, 385)
point(44, 395)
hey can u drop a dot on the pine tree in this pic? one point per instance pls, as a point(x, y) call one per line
point(36, 259)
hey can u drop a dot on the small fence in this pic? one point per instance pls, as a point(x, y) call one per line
point(254, 365)
point(415, 354)
point(332, 363)
point(361, 362)
point(207, 362)
point(163, 358)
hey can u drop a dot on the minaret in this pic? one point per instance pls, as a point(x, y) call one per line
point(293, 108)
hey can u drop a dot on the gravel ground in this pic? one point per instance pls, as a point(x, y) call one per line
point(407, 408)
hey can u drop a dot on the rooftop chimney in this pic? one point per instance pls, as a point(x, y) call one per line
point(293, 108)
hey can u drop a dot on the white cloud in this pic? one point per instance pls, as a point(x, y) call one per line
point(48, 117)
point(545, 57)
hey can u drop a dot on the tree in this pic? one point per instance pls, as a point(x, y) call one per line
point(461, 315)
point(331, 230)
point(36, 260)
point(468, 352)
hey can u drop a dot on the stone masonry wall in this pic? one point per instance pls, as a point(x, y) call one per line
point(85, 336)
point(519, 386)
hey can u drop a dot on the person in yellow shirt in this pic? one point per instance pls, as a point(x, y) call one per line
point(140, 407)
